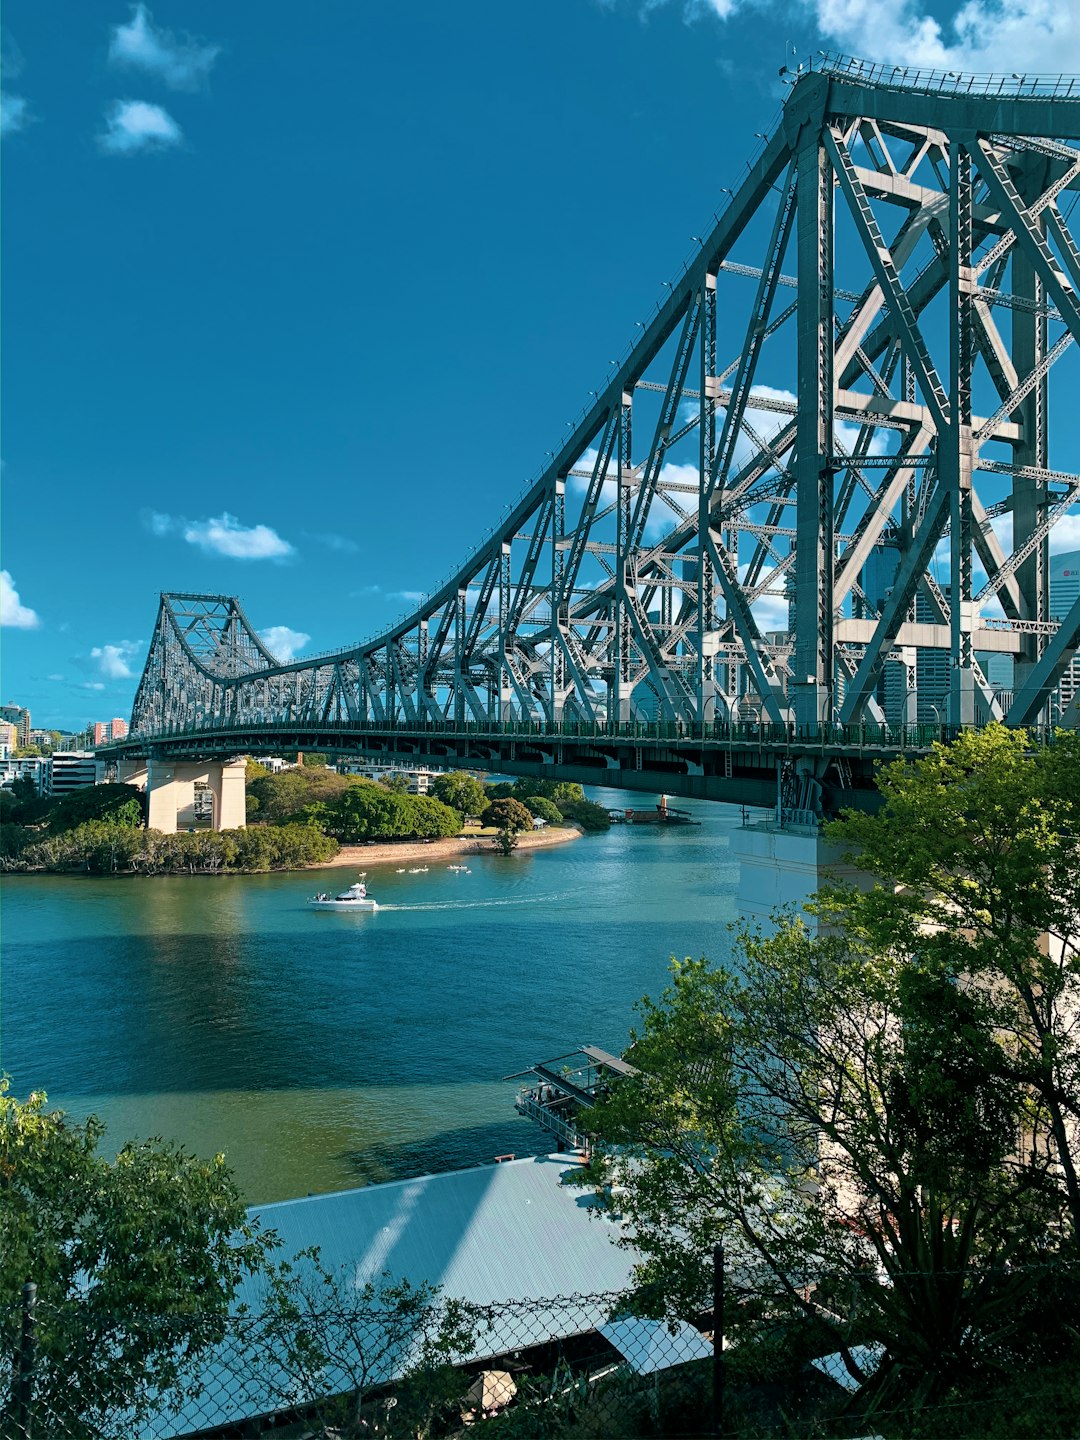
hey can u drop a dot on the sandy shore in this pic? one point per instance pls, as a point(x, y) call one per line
point(387, 853)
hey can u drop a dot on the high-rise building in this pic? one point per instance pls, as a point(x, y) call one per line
point(9, 736)
point(18, 716)
point(74, 769)
point(1064, 579)
point(102, 731)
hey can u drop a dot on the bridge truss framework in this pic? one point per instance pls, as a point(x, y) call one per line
point(820, 458)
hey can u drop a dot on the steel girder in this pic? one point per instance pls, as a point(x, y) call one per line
point(892, 414)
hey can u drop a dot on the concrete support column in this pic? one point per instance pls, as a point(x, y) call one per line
point(132, 772)
point(171, 788)
point(779, 867)
point(227, 782)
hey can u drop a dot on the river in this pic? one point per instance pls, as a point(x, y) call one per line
point(324, 1051)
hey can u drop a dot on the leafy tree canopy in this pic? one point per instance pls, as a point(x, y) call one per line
point(285, 795)
point(461, 791)
point(559, 792)
point(842, 1109)
point(314, 760)
point(112, 1246)
point(542, 809)
point(508, 815)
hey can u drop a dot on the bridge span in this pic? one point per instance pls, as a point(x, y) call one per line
point(811, 507)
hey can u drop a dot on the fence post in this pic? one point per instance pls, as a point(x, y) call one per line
point(24, 1378)
point(718, 1341)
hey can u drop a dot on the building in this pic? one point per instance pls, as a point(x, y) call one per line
point(417, 781)
point(34, 768)
point(74, 770)
point(18, 716)
point(1064, 580)
point(9, 737)
point(103, 731)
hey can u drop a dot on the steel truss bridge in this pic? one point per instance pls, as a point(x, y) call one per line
point(828, 453)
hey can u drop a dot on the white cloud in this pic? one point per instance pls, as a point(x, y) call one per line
point(334, 542)
point(13, 114)
point(224, 535)
point(412, 597)
point(1006, 36)
point(112, 660)
point(54, 677)
point(979, 35)
point(12, 611)
point(92, 685)
point(183, 64)
point(283, 641)
point(160, 524)
point(1065, 535)
point(135, 127)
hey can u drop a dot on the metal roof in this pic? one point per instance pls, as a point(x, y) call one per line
point(496, 1233)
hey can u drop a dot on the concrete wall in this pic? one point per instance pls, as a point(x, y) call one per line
point(171, 787)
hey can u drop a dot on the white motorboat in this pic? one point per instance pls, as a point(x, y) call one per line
point(354, 898)
point(460, 869)
point(419, 870)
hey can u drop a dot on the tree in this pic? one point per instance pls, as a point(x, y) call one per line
point(393, 781)
point(461, 791)
point(120, 805)
point(136, 1261)
point(505, 841)
point(842, 1109)
point(508, 815)
point(559, 792)
point(979, 849)
point(254, 771)
point(586, 813)
point(285, 795)
point(333, 1342)
point(314, 760)
point(542, 809)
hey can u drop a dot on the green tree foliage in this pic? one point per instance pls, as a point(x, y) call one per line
point(498, 790)
point(505, 841)
point(281, 797)
point(867, 1117)
point(461, 791)
point(102, 849)
point(254, 771)
point(335, 1342)
point(394, 781)
point(541, 809)
point(978, 849)
point(560, 792)
point(367, 811)
point(106, 804)
point(115, 1248)
point(315, 760)
point(587, 814)
point(508, 814)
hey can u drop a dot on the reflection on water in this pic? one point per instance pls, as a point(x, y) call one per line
point(322, 1051)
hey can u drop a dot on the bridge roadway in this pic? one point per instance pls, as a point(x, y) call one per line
point(742, 763)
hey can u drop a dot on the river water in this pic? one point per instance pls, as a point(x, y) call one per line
point(323, 1051)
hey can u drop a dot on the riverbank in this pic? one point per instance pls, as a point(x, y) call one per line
point(386, 852)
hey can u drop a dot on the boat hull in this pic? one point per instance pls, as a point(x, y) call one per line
point(360, 906)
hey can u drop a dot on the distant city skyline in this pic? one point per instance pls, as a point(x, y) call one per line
point(295, 305)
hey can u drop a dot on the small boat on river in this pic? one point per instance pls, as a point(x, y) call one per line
point(354, 898)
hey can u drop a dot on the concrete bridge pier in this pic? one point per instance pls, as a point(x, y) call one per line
point(783, 866)
point(132, 772)
point(171, 787)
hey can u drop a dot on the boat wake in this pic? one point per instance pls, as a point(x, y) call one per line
point(478, 904)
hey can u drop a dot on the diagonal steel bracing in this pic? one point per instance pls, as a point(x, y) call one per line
point(792, 512)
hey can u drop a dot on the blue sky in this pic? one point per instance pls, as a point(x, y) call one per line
point(296, 301)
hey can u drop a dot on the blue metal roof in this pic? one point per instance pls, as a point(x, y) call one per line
point(494, 1234)
point(497, 1232)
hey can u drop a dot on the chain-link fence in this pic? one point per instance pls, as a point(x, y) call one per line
point(394, 1360)
point(402, 1362)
